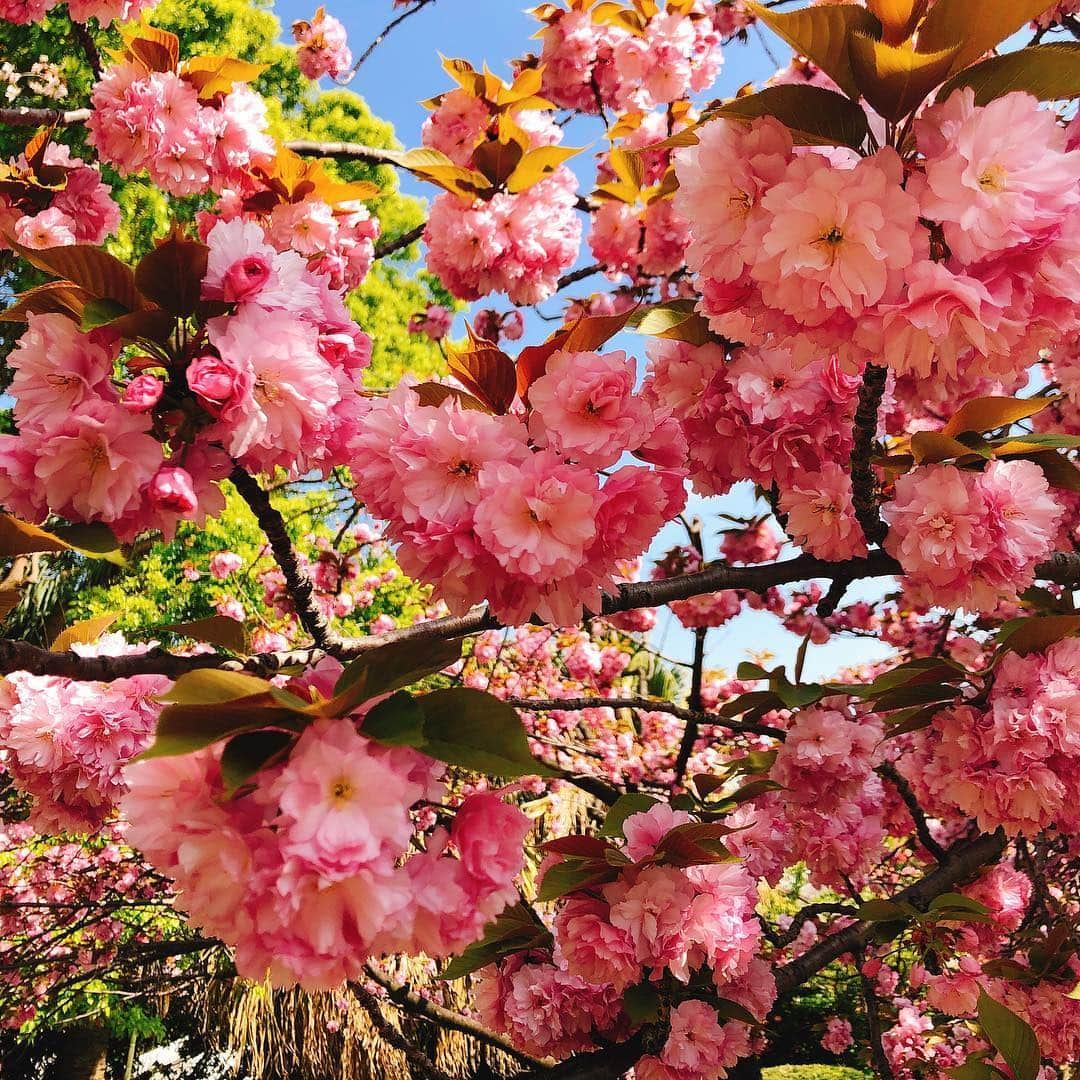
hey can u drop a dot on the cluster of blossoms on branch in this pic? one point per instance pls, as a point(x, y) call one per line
point(322, 46)
point(303, 869)
point(510, 508)
point(104, 11)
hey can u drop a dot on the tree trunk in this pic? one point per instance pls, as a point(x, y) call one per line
point(80, 1053)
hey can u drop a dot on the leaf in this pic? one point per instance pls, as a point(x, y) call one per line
point(477, 731)
point(435, 166)
point(515, 930)
point(9, 600)
point(895, 79)
point(581, 847)
point(217, 630)
point(171, 275)
point(1035, 633)
point(84, 633)
point(727, 1009)
point(957, 902)
point(434, 394)
point(538, 164)
point(976, 27)
point(245, 755)
point(497, 160)
point(391, 667)
point(991, 413)
point(486, 371)
point(574, 875)
point(183, 729)
point(1049, 72)
point(814, 116)
point(213, 75)
point(1011, 1036)
point(634, 802)
point(1059, 471)
point(100, 275)
point(881, 911)
point(211, 686)
point(930, 447)
point(822, 34)
point(695, 843)
point(975, 1068)
point(397, 721)
point(155, 49)
point(100, 313)
point(677, 320)
point(52, 298)
point(641, 1003)
point(898, 18)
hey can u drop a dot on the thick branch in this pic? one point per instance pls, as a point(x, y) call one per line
point(863, 480)
point(873, 1021)
point(645, 705)
point(606, 1064)
point(415, 1005)
point(344, 151)
point(420, 1065)
point(961, 862)
point(300, 587)
point(22, 117)
point(697, 675)
point(1062, 568)
point(579, 275)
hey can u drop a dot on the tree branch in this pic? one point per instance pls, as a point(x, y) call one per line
point(690, 731)
point(645, 705)
point(873, 1021)
point(388, 247)
point(417, 6)
point(863, 480)
point(300, 587)
point(415, 1005)
point(578, 275)
point(420, 1065)
point(903, 789)
point(962, 860)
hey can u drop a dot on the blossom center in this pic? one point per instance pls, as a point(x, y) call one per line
point(341, 791)
point(993, 178)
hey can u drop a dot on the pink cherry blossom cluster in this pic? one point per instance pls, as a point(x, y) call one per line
point(338, 241)
point(516, 244)
point(960, 264)
point(969, 539)
point(654, 918)
point(156, 122)
point(434, 321)
point(512, 510)
point(590, 65)
point(707, 609)
point(88, 453)
point(80, 212)
point(66, 742)
point(322, 46)
point(305, 874)
point(830, 813)
point(761, 417)
point(275, 384)
point(494, 326)
point(639, 243)
point(104, 11)
point(1016, 762)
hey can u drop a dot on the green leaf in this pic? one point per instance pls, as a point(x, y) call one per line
point(573, 875)
point(397, 721)
point(515, 930)
point(245, 755)
point(975, 1068)
point(1011, 1036)
point(183, 729)
point(634, 802)
point(677, 320)
point(1049, 72)
point(211, 687)
point(391, 667)
point(641, 1003)
point(957, 902)
point(881, 911)
point(814, 116)
point(727, 1009)
point(100, 313)
point(896, 79)
point(822, 34)
point(1035, 633)
point(462, 727)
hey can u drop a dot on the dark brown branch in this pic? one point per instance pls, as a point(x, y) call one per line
point(415, 1005)
point(811, 911)
point(579, 275)
point(903, 789)
point(645, 705)
point(690, 731)
point(606, 1064)
point(89, 46)
point(961, 863)
point(420, 1065)
point(300, 587)
point(417, 6)
point(863, 480)
point(388, 247)
point(873, 1021)
point(22, 117)
point(1062, 568)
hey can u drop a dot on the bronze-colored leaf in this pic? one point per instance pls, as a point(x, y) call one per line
point(814, 116)
point(52, 298)
point(895, 79)
point(171, 275)
point(486, 371)
point(85, 632)
point(1049, 72)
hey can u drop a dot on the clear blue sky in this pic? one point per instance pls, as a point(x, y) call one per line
point(406, 70)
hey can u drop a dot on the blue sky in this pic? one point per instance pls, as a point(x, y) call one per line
point(404, 71)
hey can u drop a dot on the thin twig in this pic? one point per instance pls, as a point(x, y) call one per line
point(407, 13)
point(888, 771)
point(420, 1065)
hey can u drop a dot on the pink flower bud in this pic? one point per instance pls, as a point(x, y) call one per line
point(142, 393)
point(216, 382)
point(172, 489)
point(245, 278)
